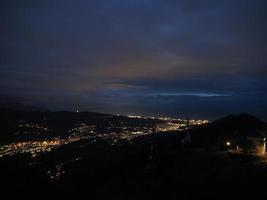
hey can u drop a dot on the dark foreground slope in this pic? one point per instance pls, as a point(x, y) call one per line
point(157, 166)
point(128, 171)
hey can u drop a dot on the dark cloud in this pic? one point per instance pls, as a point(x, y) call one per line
point(98, 54)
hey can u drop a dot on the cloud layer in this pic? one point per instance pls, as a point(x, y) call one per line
point(100, 54)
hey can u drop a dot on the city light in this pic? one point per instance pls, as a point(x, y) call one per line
point(112, 133)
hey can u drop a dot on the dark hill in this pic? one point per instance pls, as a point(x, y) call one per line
point(232, 126)
point(242, 122)
point(25, 125)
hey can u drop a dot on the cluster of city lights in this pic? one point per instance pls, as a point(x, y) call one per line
point(32, 147)
point(112, 133)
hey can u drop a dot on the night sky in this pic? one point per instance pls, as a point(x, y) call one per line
point(180, 58)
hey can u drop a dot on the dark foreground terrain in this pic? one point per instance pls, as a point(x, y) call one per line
point(168, 170)
point(146, 166)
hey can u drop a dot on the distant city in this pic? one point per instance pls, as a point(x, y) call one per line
point(113, 134)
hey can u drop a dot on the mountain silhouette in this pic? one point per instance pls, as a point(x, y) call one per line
point(215, 133)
